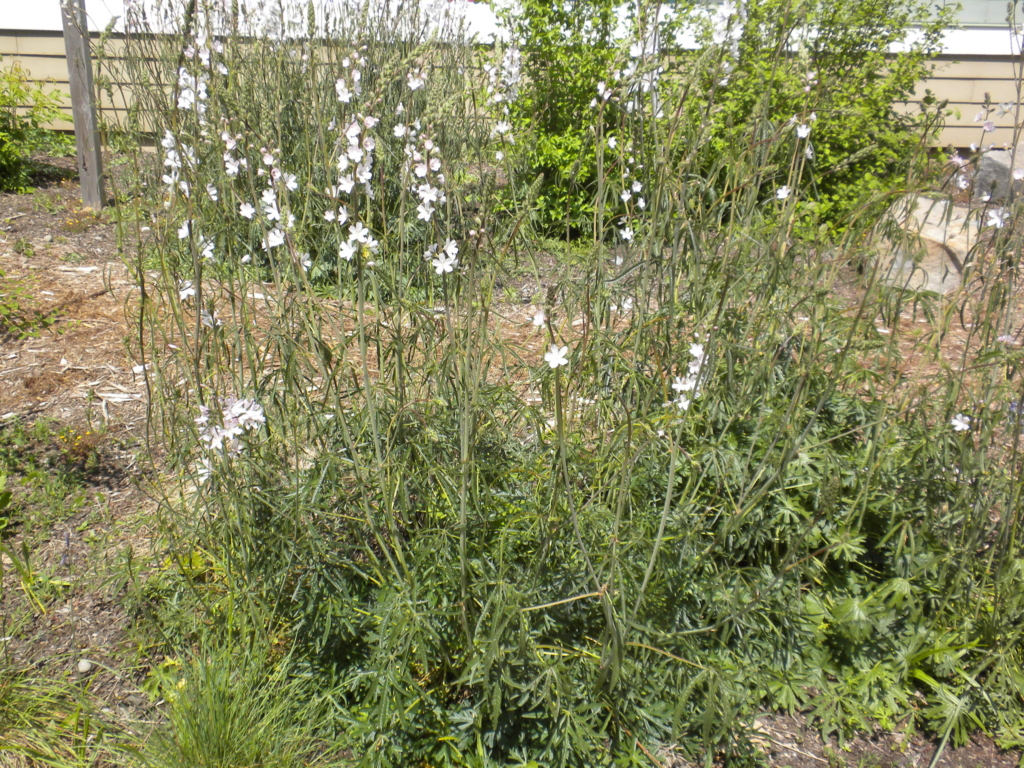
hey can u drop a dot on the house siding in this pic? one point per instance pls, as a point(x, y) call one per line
point(962, 79)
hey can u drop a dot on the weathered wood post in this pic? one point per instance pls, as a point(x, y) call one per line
point(87, 135)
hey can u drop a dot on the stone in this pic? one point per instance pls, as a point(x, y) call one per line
point(48, 239)
point(84, 667)
point(933, 248)
point(994, 176)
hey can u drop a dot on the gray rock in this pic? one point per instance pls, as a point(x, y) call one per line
point(933, 248)
point(995, 175)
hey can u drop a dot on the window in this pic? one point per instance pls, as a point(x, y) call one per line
point(982, 13)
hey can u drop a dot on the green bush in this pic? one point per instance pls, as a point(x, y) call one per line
point(24, 109)
point(845, 72)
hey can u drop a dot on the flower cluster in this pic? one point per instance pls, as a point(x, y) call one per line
point(350, 85)
point(192, 88)
point(688, 386)
point(231, 163)
point(503, 81)
point(176, 156)
point(237, 416)
point(423, 168)
point(446, 260)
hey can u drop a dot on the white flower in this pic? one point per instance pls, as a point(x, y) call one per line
point(1018, 174)
point(212, 192)
point(370, 121)
point(268, 159)
point(451, 248)
point(988, 126)
point(248, 414)
point(210, 320)
point(539, 319)
point(557, 356)
point(346, 184)
point(230, 165)
point(400, 130)
point(347, 250)
point(499, 156)
point(961, 423)
point(626, 195)
point(184, 229)
point(697, 350)
point(247, 258)
point(186, 290)
point(603, 91)
point(641, 203)
point(782, 192)
point(684, 384)
point(290, 182)
point(424, 211)
point(444, 263)
point(343, 91)
point(342, 215)
point(682, 402)
point(330, 215)
point(803, 131)
point(962, 182)
point(416, 79)
point(204, 470)
point(207, 252)
point(427, 193)
point(274, 238)
point(305, 261)
point(612, 142)
point(997, 218)
point(626, 233)
point(637, 186)
point(358, 233)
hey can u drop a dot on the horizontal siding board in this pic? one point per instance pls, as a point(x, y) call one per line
point(963, 81)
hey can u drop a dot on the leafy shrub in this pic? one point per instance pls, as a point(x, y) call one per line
point(24, 110)
point(844, 74)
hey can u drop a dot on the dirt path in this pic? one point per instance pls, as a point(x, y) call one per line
point(72, 424)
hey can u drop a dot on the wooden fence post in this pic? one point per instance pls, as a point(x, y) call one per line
point(87, 135)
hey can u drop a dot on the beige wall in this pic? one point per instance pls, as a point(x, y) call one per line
point(42, 54)
point(963, 81)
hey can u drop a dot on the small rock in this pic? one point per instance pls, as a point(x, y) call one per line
point(995, 175)
point(84, 667)
point(48, 239)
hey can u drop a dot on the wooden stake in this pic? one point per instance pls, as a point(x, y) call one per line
point(87, 135)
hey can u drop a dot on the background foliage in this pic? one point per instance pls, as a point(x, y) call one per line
point(24, 109)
